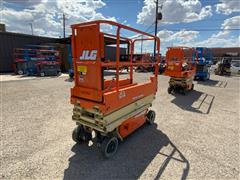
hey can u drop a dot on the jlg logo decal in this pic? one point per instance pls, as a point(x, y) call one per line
point(89, 55)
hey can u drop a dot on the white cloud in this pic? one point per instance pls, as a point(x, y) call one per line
point(180, 36)
point(165, 35)
point(220, 39)
point(228, 6)
point(46, 15)
point(231, 23)
point(216, 40)
point(174, 11)
point(224, 38)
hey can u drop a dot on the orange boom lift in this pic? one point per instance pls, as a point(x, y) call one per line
point(181, 67)
point(107, 111)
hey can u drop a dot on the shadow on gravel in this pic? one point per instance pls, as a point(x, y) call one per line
point(133, 157)
point(69, 80)
point(213, 83)
point(194, 101)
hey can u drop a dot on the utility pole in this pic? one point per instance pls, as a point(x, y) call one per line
point(31, 25)
point(141, 44)
point(1, 14)
point(64, 26)
point(156, 24)
point(157, 17)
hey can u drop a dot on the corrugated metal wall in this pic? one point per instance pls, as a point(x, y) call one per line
point(221, 52)
point(9, 41)
point(110, 52)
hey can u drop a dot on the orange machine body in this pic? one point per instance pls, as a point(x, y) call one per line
point(131, 124)
point(180, 62)
point(95, 93)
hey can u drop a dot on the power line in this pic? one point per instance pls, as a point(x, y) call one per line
point(201, 30)
point(149, 27)
point(146, 30)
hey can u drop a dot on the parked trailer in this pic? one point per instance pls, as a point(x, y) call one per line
point(181, 67)
point(203, 63)
point(112, 109)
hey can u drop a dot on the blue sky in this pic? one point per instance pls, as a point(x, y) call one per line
point(211, 23)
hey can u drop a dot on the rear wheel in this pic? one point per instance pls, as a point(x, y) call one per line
point(59, 73)
point(42, 74)
point(192, 87)
point(20, 72)
point(151, 117)
point(170, 89)
point(184, 91)
point(109, 146)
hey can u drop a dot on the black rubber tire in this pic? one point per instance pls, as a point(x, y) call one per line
point(42, 74)
point(150, 117)
point(192, 87)
point(71, 75)
point(109, 146)
point(170, 89)
point(59, 73)
point(20, 72)
point(184, 91)
point(77, 134)
point(208, 77)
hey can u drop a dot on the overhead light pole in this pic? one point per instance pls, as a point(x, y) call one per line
point(64, 26)
point(31, 25)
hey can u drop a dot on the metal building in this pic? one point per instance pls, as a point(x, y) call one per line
point(9, 41)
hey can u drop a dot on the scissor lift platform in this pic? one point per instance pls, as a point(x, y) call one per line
point(106, 110)
point(181, 68)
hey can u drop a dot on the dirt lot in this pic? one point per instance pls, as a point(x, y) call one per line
point(195, 137)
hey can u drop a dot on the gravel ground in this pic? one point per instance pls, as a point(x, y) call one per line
point(195, 136)
point(14, 77)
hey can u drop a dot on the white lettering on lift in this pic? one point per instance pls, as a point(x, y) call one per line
point(89, 55)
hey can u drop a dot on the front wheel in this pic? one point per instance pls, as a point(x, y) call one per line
point(79, 135)
point(208, 77)
point(183, 91)
point(151, 117)
point(109, 146)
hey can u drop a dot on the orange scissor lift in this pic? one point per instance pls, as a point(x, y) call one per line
point(181, 67)
point(107, 111)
